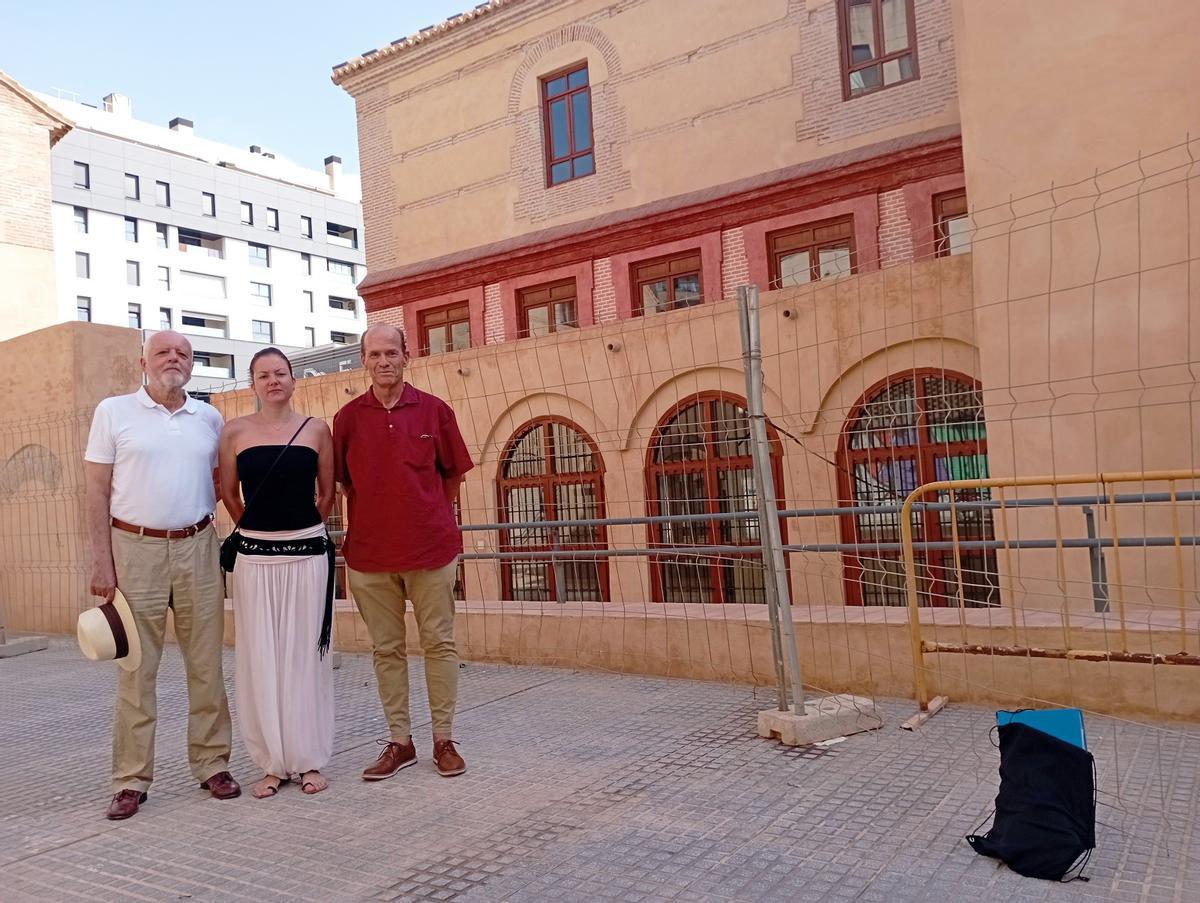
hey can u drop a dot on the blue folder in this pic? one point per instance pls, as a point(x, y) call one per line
point(1065, 724)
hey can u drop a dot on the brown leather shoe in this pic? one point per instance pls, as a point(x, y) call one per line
point(222, 786)
point(394, 757)
point(446, 757)
point(124, 804)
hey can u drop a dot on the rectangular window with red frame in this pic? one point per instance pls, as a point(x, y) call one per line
point(879, 44)
point(811, 253)
point(547, 308)
point(567, 122)
point(668, 283)
point(446, 328)
point(953, 226)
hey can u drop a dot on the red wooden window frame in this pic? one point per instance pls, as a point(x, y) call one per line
point(549, 480)
point(547, 297)
point(576, 158)
point(449, 316)
point(911, 452)
point(946, 207)
point(813, 238)
point(705, 532)
point(850, 67)
point(668, 269)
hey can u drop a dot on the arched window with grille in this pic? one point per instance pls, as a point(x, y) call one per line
point(915, 428)
point(699, 464)
point(551, 470)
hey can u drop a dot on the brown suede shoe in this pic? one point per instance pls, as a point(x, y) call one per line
point(124, 804)
point(446, 757)
point(222, 786)
point(394, 757)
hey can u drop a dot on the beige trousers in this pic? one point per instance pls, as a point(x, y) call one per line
point(380, 598)
point(187, 574)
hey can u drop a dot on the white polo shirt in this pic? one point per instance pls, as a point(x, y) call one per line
point(162, 460)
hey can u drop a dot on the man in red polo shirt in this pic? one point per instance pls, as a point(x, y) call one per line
point(401, 459)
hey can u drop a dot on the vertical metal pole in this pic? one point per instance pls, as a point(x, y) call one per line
point(768, 507)
point(1099, 572)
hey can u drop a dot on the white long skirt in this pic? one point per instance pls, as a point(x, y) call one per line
point(284, 688)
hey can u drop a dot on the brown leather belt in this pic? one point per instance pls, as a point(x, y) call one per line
point(181, 533)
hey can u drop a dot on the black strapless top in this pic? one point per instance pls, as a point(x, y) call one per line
point(288, 499)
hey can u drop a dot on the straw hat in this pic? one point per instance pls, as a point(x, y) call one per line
point(108, 633)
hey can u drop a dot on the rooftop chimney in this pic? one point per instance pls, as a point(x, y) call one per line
point(119, 105)
point(255, 149)
point(333, 169)
point(181, 125)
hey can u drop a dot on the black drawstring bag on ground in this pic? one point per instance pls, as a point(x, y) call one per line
point(1046, 809)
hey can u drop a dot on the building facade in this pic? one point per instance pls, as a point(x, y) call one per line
point(563, 198)
point(156, 228)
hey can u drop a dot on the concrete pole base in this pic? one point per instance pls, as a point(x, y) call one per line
point(823, 719)
point(19, 645)
point(337, 659)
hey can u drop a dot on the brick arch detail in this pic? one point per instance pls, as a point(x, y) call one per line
point(580, 31)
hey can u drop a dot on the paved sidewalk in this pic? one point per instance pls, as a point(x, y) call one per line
point(582, 786)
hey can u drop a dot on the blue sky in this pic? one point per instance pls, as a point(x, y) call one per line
point(250, 72)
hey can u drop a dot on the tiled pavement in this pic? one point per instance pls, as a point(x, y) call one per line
point(582, 786)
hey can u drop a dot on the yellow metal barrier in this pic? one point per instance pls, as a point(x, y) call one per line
point(1106, 484)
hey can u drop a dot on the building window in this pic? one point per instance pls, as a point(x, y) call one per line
point(83, 265)
point(446, 329)
point(667, 284)
point(879, 44)
point(208, 205)
point(347, 304)
point(162, 233)
point(914, 429)
point(83, 309)
point(811, 253)
point(81, 220)
point(135, 316)
point(131, 229)
point(247, 213)
point(162, 194)
point(193, 242)
point(260, 255)
point(567, 120)
point(133, 272)
point(306, 228)
point(133, 187)
point(308, 297)
point(952, 226)
point(311, 335)
point(342, 338)
point(700, 464)
point(551, 471)
point(216, 325)
point(547, 308)
point(340, 268)
point(345, 236)
point(164, 278)
point(262, 330)
point(83, 175)
point(272, 219)
point(306, 264)
point(260, 294)
point(164, 318)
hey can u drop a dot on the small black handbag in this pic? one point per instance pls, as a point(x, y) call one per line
point(231, 543)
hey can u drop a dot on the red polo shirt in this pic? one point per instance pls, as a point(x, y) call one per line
point(392, 464)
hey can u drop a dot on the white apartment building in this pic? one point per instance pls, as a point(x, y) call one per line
point(156, 228)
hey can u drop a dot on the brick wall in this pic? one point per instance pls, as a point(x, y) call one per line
point(379, 187)
point(735, 269)
point(895, 231)
point(828, 118)
point(493, 315)
point(25, 175)
point(604, 297)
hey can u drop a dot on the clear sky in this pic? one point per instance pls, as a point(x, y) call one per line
point(249, 72)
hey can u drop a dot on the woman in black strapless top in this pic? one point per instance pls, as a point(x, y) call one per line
point(281, 582)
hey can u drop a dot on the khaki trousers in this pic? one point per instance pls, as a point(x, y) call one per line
point(380, 598)
point(186, 573)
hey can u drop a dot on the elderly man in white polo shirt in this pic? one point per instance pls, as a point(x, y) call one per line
point(149, 467)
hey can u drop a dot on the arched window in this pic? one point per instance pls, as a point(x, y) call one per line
point(915, 428)
point(551, 470)
point(699, 463)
